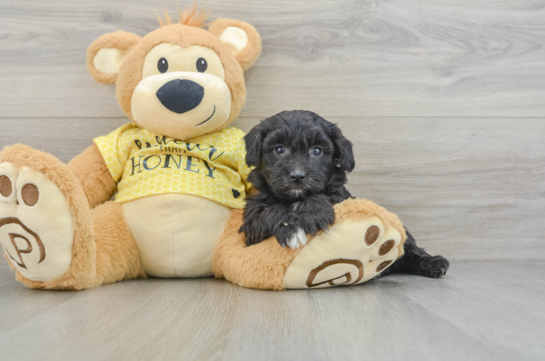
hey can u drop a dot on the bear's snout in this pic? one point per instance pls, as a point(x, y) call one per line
point(180, 95)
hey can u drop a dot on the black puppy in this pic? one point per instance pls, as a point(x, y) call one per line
point(301, 161)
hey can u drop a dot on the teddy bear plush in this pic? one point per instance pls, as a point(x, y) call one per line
point(178, 173)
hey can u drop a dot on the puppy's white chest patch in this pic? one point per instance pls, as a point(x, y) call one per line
point(298, 239)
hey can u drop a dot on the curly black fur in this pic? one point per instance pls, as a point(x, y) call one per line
point(297, 187)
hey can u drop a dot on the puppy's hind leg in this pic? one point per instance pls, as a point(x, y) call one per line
point(418, 262)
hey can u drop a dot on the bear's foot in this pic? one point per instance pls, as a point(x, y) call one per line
point(45, 221)
point(365, 241)
point(36, 229)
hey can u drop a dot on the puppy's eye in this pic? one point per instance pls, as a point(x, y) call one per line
point(279, 149)
point(202, 65)
point(317, 151)
point(162, 65)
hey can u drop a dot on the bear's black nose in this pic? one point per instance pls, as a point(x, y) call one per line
point(180, 95)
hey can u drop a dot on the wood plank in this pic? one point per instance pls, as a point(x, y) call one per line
point(63, 137)
point(469, 189)
point(490, 296)
point(338, 58)
point(466, 188)
point(476, 312)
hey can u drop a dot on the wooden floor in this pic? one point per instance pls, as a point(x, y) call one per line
point(445, 103)
point(480, 311)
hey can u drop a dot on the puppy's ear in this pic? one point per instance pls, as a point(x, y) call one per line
point(344, 156)
point(254, 145)
point(343, 149)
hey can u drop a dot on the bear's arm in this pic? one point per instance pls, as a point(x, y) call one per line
point(95, 178)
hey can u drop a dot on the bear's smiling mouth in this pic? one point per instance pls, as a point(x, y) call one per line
point(207, 119)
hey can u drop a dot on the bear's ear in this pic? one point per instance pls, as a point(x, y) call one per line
point(105, 55)
point(242, 38)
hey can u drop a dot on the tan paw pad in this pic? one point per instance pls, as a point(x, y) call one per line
point(36, 229)
point(8, 175)
point(349, 253)
point(336, 272)
point(371, 235)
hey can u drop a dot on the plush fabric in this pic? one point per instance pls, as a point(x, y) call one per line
point(131, 71)
point(181, 239)
point(37, 221)
point(94, 176)
point(235, 38)
point(117, 255)
point(82, 272)
point(212, 104)
point(363, 242)
point(265, 265)
point(120, 40)
point(103, 250)
point(249, 54)
point(260, 266)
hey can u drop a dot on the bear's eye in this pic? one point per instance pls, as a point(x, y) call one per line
point(317, 151)
point(279, 149)
point(202, 65)
point(162, 65)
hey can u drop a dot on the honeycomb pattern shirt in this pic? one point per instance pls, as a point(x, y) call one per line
point(144, 163)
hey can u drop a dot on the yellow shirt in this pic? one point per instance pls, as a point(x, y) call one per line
point(144, 163)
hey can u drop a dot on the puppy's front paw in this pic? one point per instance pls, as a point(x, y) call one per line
point(291, 236)
point(298, 239)
point(325, 220)
point(316, 214)
point(254, 232)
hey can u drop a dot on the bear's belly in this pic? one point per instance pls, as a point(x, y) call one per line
point(176, 233)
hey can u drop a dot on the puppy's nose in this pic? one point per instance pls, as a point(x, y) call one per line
point(180, 95)
point(298, 175)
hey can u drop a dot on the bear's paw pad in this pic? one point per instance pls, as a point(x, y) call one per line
point(350, 253)
point(36, 229)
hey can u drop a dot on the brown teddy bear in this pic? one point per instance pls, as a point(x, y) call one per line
point(179, 176)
